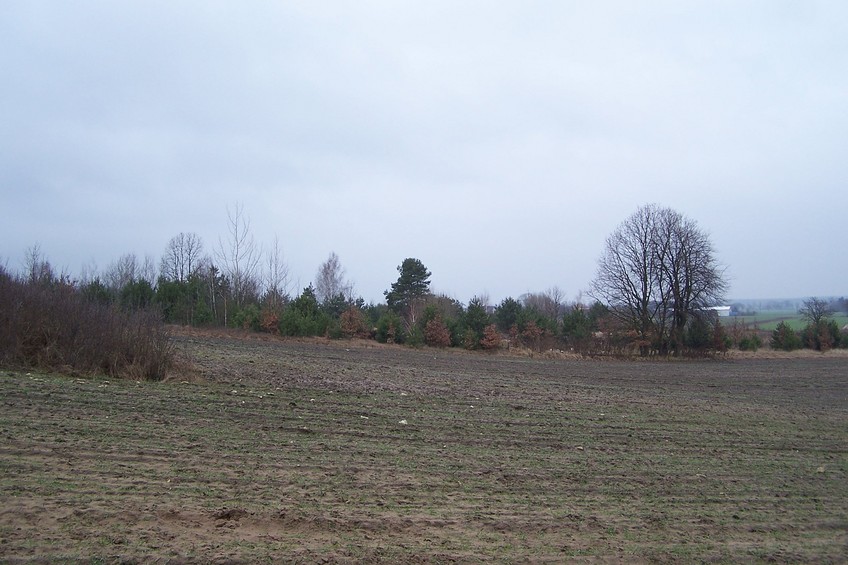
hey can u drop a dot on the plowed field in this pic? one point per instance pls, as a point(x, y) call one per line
point(314, 451)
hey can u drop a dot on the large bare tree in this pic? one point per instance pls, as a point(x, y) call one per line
point(693, 279)
point(657, 272)
point(628, 275)
point(182, 257)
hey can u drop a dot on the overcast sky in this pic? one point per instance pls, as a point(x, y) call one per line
point(498, 142)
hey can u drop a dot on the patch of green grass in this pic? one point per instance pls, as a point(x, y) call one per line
point(768, 321)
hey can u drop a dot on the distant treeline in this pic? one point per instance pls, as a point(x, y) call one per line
point(68, 313)
point(53, 319)
point(753, 307)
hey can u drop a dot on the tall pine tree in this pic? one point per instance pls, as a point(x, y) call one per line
point(408, 292)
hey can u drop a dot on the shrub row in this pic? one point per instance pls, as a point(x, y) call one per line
point(821, 336)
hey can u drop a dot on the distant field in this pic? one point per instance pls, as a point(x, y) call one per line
point(768, 321)
point(317, 452)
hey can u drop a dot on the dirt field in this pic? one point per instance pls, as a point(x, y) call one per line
point(286, 451)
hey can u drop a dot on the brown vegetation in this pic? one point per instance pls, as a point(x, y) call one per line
point(436, 333)
point(50, 326)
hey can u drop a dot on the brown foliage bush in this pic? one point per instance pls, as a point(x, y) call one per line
point(436, 333)
point(491, 338)
point(269, 321)
point(352, 323)
point(532, 335)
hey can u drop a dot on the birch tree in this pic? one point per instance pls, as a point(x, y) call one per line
point(182, 257)
point(276, 277)
point(330, 281)
point(239, 255)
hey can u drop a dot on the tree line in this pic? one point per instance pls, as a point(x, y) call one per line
point(655, 284)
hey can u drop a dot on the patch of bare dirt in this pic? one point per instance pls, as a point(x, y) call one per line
point(316, 451)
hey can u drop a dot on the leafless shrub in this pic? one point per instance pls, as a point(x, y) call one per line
point(51, 326)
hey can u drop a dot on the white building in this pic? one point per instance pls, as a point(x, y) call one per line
point(721, 311)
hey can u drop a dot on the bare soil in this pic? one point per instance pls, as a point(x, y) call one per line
point(314, 451)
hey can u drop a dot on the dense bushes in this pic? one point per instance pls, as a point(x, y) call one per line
point(822, 335)
point(52, 325)
point(390, 328)
point(303, 317)
point(248, 318)
point(750, 342)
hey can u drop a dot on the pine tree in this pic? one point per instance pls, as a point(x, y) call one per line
point(407, 292)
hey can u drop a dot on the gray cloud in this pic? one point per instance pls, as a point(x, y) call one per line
point(498, 142)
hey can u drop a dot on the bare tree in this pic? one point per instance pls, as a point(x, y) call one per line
point(182, 257)
point(147, 271)
point(448, 308)
point(88, 273)
point(549, 304)
point(330, 281)
point(815, 310)
point(658, 271)
point(122, 272)
point(38, 269)
point(627, 277)
point(240, 255)
point(276, 277)
point(690, 273)
point(555, 303)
